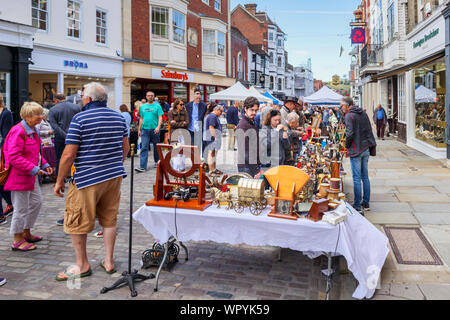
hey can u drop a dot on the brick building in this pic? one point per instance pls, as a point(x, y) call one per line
point(239, 56)
point(173, 46)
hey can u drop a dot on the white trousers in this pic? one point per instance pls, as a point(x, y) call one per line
point(27, 205)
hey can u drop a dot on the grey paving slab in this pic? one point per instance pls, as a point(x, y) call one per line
point(436, 218)
point(433, 207)
point(436, 292)
point(387, 218)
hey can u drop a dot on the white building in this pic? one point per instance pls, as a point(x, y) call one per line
point(277, 63)
point(16, 44)
point(258, 67)
point(304, 80)
point(77, 42)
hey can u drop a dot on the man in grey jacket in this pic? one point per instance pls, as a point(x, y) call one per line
point(60, 117)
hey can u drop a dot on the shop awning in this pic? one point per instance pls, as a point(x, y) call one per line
point(405, 68)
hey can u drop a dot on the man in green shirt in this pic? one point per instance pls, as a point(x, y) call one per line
point(151, 118)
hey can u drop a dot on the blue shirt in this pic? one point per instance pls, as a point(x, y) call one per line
point(127, 118)
point(193, 123)
point(380, 115)
point(99, 133)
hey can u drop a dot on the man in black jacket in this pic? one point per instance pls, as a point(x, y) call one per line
point(359, 141)
point(232, 122)
point(196, 110)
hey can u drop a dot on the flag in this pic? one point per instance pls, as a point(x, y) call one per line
point(341, 51)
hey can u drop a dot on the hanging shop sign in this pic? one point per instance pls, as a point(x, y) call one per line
point(358, 35)
point(165, 74)
point(358, 24)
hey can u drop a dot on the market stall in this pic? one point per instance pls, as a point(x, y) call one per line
point(324, 96)
point(274, 100)
point(255, 93)
point(237, 92)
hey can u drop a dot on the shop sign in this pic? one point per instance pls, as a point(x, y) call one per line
point(427, 37)
point(358, 35)
point(172, 75)
point(75, 64)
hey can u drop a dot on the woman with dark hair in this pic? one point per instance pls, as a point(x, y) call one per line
point(178, 117)
point(247, 139)
point(273, 141)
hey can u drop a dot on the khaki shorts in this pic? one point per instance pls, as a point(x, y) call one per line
point(82, 206)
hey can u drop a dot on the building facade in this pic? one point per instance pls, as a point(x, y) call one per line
point(304, 80)
point(16, 45)
point(76, 42)
point(258, 68)
point(239, 57)
point(176, 46)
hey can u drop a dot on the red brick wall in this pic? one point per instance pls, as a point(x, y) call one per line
point(140, 29)
point(238, 45)
point(254, 31)
point(198, 6)
point(193, 62)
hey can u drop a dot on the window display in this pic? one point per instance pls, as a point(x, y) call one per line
point(180, 91)
point(5, 88)
point(430, 103)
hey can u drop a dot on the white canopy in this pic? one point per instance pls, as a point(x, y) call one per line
point(255, 93)
point(235, 92)
point(425, 95)
point(324, 96)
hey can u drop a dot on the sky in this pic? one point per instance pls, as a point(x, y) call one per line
point(315, 29)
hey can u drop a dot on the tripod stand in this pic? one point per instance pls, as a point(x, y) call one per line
point(129, 277)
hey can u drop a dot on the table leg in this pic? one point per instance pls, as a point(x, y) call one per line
point(166, 249)
point(185, 249)
point(329, 276)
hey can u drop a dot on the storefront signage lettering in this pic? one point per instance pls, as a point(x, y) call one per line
point(167, 75)
point(75, 64)
point(427, 37)
point(174, 75)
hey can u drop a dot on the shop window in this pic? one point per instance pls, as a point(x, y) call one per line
point(220, 43)
point(430, 103)
point(209, 91)
point(39, 14)
point(179, 26)
point(218, 5)
point(160, 23)
point(101, 26)
point(73, 19)
point(209, 41)
point(280, 85)
point(180, 91)
point(5, 88)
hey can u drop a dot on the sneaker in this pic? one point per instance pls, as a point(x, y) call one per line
point(98, 234)
point(140, 169)
point(3, 220)
point(2, 281)
point(365, 206)
point(60, 222)
point(8, 211)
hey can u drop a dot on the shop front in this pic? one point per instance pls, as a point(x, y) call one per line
point(427, 120)
point(168, 84)
point(16, 45)
point(55, 70)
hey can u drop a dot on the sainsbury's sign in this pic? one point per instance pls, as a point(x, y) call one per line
point(172, 75)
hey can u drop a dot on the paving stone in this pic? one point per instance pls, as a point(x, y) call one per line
point(219, 295)
point(37, 294)
point(435, 292)
point(386, 218)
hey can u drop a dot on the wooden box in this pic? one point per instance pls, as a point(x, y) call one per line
point(319, 206)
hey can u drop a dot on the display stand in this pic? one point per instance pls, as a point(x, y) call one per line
point(128, 277)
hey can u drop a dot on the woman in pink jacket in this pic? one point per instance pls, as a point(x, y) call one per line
point(22, 150)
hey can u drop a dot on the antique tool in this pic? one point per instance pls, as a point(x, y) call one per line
point(287, 182)
point(164, 185)
point(318, 207)
point(154, 257)
point(333, 195)
point(323, 190)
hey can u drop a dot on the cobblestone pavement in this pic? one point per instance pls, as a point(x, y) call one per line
point(214, 271)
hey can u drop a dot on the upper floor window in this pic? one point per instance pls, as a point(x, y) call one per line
point(271, 57)
point(280, 62)
point(279, 43)
point(179, 26)
point(254, 57)
point(391, 21)
point(73, 19)
point(206, 1)
point(101, 26)
point(270, 36)
point(39, 13)
point(160, 23)
point(209, 41)
point(218, 5)
point(220, 43)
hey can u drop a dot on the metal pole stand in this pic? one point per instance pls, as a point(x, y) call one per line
point(128, 277)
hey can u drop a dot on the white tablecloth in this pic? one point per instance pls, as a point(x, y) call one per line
point(363, 246)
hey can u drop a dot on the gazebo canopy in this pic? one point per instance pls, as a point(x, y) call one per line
point(255, 93)
point(274, 100)
point(324, 96)
point(236, 92)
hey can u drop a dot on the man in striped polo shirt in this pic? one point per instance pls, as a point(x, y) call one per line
point(97, 144)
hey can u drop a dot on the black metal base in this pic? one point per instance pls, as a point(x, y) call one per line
point(128, 279)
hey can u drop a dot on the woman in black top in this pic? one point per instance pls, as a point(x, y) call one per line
point(6, 123)
point(273, 141)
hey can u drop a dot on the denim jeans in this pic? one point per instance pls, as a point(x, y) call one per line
point(148, 136)
point(360, 172)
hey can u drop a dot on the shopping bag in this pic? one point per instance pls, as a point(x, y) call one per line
point(138, 146)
